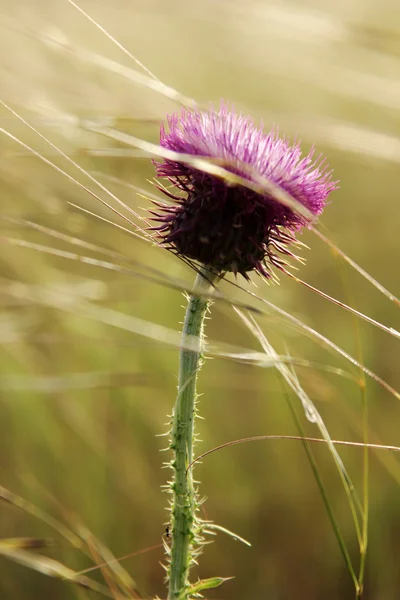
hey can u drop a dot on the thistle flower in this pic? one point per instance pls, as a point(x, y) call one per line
point(231, 227)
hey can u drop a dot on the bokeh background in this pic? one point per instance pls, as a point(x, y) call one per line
point(85, 391)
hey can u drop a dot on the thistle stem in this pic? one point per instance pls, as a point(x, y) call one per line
point(184, 502)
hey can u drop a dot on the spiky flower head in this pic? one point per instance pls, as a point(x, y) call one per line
point(232, 227)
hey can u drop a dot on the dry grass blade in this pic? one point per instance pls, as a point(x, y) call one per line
point(52, 568)
point(324, 341)
point(114, 40)
point(78, 167)
point(33, 510)
point(139, 190)
point(75, 181)
point(256, 358)
point(162, 277)
point(112, 66)
point(64, 237)
point(16, 549)
point(68, 255)
point(93, 380)
point(356, 267)
point(130, 555)
point(350, 309)
point(112, 223)
point(312, 415)
point(218, 168)
point(262, 438)
point(112, 570)
point(23, 543)
point(74, 303)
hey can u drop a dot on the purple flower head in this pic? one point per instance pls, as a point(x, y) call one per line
point(231, 227)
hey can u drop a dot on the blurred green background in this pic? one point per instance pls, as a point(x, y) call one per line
point(83, 401)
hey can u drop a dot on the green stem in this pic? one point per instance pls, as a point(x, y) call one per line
point(184, 503)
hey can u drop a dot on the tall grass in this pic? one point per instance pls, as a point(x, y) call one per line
point(91, 306)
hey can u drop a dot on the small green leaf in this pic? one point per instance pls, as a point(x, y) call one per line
point(228, 532)
point(204, 584)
